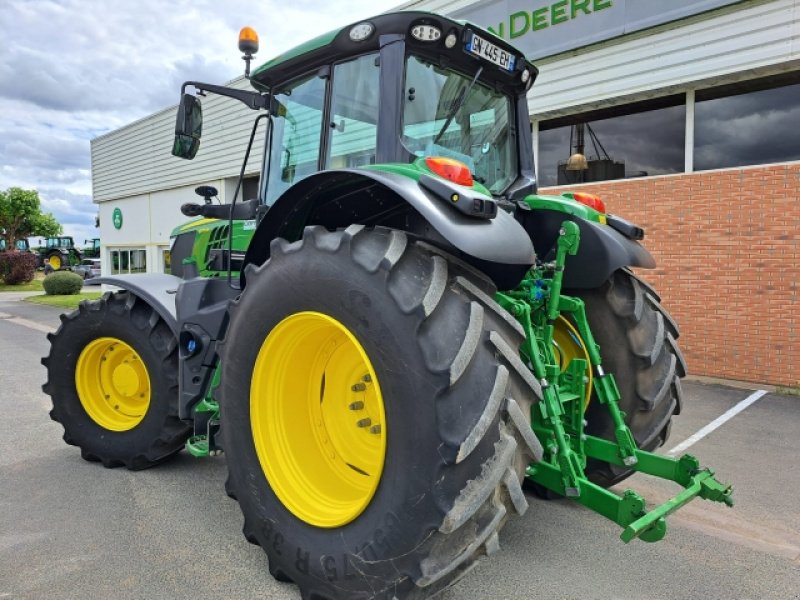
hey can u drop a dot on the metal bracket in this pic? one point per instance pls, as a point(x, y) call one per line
point(558, 420)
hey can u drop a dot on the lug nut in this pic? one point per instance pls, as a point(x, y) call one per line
point(375, 429)
point(358, 387)
point(358, 405)
point(364, 422)
point(366, 378)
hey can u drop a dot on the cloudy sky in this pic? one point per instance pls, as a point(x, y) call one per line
point(71, 70)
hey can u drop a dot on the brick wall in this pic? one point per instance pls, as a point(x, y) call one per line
point(727, 244)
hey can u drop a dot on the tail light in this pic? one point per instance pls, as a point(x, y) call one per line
point(451, 169)
point(590, 200)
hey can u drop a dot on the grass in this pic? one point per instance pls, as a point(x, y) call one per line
point(70, 301)
point(31, 286)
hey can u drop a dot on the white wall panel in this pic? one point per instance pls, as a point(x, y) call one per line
point(741, 42)
point(136, 159)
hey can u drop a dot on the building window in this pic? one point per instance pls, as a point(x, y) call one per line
point(166, 260)
point(633, 140)
point(748, 123)
point(128, 260)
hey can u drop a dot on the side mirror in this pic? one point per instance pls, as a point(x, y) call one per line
point(188, 127)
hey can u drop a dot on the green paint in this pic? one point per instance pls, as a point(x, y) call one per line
point(309, 46)
point(558, 419)
point(116, 218)
point(582, 5)
point(417, 168)
point(500, 31)
point(565, 204)
point(556, 13)
point(519, 23)
point(213, 234)
point(539, 19)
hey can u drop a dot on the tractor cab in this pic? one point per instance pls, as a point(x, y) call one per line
point(64, 242)
point(394, 89)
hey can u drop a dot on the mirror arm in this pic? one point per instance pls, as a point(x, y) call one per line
point(252, 100)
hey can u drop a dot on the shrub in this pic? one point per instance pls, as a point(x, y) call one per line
point(62, 283)
point(17, 267)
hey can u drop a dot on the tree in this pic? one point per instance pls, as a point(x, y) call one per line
point(21, 216)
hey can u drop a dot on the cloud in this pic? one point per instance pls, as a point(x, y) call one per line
point(750, 129)
point(71, 70)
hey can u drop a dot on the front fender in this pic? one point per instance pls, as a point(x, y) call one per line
point(338, 198)
point(157, 289)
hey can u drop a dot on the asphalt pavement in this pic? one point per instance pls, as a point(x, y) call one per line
point(72, 529)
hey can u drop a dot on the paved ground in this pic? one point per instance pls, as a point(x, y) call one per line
point(71, 529)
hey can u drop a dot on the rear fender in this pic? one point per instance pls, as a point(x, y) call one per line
point(602, 250)
point(499, 246)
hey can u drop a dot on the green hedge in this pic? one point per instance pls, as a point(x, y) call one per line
point(62, 283)
point(17, 267)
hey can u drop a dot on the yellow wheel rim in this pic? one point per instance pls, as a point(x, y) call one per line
point(112, 384)
point(318, 420)
point(55, 261)
point(568, 344)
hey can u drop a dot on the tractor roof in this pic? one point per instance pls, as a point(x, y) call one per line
point(336, 46)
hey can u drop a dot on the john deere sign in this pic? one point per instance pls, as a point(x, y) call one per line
point(116, 218)
point(543, 28)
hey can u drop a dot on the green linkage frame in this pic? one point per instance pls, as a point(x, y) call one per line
point(558, 419)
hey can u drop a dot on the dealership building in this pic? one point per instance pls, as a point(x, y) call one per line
point(684, 116)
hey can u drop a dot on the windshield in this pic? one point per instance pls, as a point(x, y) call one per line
point(478, 132)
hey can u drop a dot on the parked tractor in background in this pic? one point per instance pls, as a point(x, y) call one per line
point(59, 253)
point(22, 245)
point(92, 250)
point(396, 332)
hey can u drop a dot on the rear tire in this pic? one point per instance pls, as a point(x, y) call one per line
point(457, 412)
point(637, 339)
point(124, 415)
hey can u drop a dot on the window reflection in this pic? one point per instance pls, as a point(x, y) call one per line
point(750, 128)
point(617, 143)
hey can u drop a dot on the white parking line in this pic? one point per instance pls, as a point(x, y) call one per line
point(26, 323)
point(723, 418)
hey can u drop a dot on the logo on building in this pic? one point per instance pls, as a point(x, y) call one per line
point(116, 218)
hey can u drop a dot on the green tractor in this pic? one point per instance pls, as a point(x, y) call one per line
point(22, 245)
point(92, 248)
point(59, 253)
point(397, 332)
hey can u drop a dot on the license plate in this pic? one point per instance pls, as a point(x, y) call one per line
point(489, 51)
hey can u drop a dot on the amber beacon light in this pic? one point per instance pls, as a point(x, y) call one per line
point(248, 44)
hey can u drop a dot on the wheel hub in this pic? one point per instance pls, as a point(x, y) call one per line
point(112, 384)
point(318, 419)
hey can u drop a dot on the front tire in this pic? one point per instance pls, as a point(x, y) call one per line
point(112, 376)
point(435, 359)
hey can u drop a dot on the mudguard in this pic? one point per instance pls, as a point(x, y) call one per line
point(157, 289)
point(338, 198)
point(602, 250)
